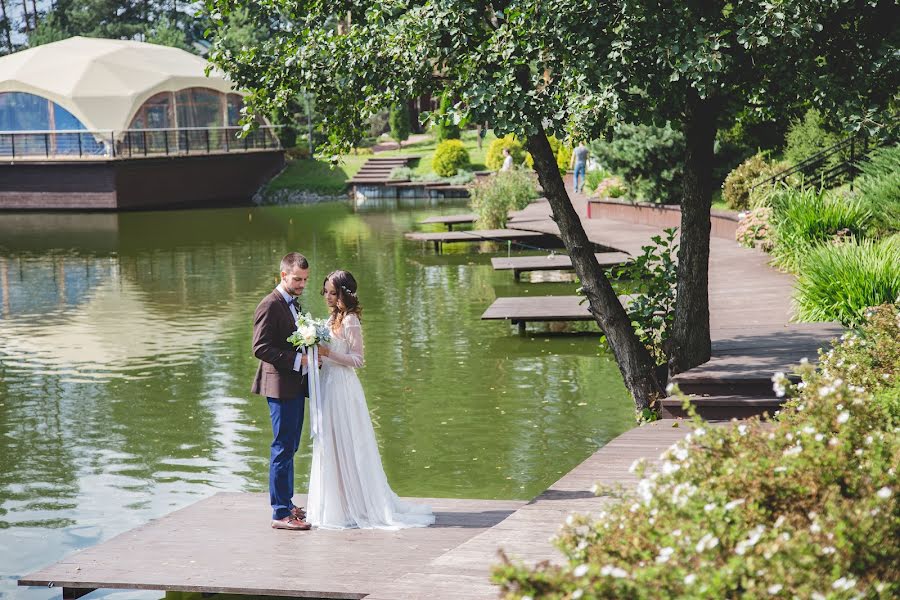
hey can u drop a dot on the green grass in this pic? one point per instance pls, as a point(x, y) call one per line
point(426, 149)
point(318, 175)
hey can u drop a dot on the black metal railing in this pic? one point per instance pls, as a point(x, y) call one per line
point(134, 143)
point(825, 171)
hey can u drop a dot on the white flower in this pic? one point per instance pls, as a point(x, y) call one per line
point(709, 507)
point(751, 541)
point(734, 503)
point(844, 583)
point(819, 437)
point(690, 578)
point(779, 382)
point(699, 431)
point(645, 490)
point(707, 542)
point(570, 519)
point(742, 429)
point(680, 453)
point(775, 587)
point(884, 493)
point(828, 550)
point(843, 417)
point(577, 594)
point(669, 467)
point(634, 466)
point(580, 571)
point(869, 440)
point(793, 450)
point(611, 571)
point(670, 388)
point(665, 554)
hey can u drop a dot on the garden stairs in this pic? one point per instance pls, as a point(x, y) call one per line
point(750, 317)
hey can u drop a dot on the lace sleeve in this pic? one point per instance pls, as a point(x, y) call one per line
point(352, 332)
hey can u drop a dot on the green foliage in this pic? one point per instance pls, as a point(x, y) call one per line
point(166, 33)
point(445, 127)
point(563, 157)
point(805, 218)
point(449, 158)
point(879, 189)
point(50, 29)
point(399, 122)
point(839, 282)
point(804, 507)
point(736, 188)
point(869, 357)
point(494, 157)
point(649, 158)
point(754, 230)
point(593, 178)
point(492, 198)
point(806, 137)
point(652, 309)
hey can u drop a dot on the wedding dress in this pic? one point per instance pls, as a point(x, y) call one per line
point(347, 486)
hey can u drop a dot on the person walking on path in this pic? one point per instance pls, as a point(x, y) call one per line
point(579, 164)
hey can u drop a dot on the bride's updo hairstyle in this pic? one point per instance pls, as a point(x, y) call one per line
point(348, 302)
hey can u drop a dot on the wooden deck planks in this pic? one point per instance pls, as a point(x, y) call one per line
point(551, 262)
point(224, 544)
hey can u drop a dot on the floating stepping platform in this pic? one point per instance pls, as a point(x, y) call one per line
point(224, 544)
point(552, 262)
point(522, 310)
point(450, 220)
point(484, 235)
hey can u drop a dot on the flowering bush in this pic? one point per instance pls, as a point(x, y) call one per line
point(805, 507)
point(754, 229)
point(449, 158)
point(736, 189)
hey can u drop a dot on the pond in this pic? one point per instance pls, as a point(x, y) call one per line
point(125, 368)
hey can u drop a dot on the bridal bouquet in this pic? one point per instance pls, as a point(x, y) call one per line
point(310, 332)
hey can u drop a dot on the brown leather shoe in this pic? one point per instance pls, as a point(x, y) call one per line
point(291, 524)
point(298, 513)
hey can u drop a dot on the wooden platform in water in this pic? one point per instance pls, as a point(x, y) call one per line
point(224, 543)
point(482, 235)
point(450, 220)
point(520, 310)
point(551, 262)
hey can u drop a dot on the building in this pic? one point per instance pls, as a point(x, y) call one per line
point(110, 124)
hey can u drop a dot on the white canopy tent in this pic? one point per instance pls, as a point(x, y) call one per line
point(104, 83)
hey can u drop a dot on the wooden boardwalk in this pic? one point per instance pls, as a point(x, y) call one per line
point(224, 544)
point(750, 316)
point(450, 220)
point(522, 310)
point(551, 262)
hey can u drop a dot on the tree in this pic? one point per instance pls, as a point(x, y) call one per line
point(572, 68)
point(399, 122)
point(167, 33)
point(446, 128)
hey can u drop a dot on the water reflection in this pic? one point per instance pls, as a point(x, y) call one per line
point(125, 368)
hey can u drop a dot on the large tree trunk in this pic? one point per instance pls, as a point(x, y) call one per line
point(690, 341)
point(634, 361)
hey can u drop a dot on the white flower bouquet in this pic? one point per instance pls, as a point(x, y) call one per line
point(310, 332)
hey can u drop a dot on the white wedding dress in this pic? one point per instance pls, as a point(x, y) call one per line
point(347, 486)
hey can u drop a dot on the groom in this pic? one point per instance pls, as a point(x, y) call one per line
point(281, 378)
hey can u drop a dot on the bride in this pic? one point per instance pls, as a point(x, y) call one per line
point(347, 486)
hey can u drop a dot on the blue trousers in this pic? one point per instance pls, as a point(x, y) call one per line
point(287, 421)
point(579, 175)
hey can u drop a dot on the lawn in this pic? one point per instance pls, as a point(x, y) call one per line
point(319, 176)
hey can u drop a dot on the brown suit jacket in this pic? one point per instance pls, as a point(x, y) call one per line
point(272, 325)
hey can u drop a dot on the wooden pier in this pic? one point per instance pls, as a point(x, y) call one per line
point(551, 262)
point(224, 544)
point(521, 310)
point(450, 220)
point(534, 238)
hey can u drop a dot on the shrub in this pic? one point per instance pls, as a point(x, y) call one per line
point(593, 178)
point(563, 157)
point(838, 282)
point(402, 173)
point(805, 218)
point(399, 122)
point(652, 309)
point(755, 228)
point(879, 189)
point(649, 158)
point(803, 508)
point(494, 156)
point(491, 198)
point(445, 128)
point(449, 158)
point(736, 188)
point(806, 137)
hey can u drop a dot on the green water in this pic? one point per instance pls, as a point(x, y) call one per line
point(125, 368)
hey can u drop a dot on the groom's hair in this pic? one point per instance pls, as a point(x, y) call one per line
point(293, 259)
